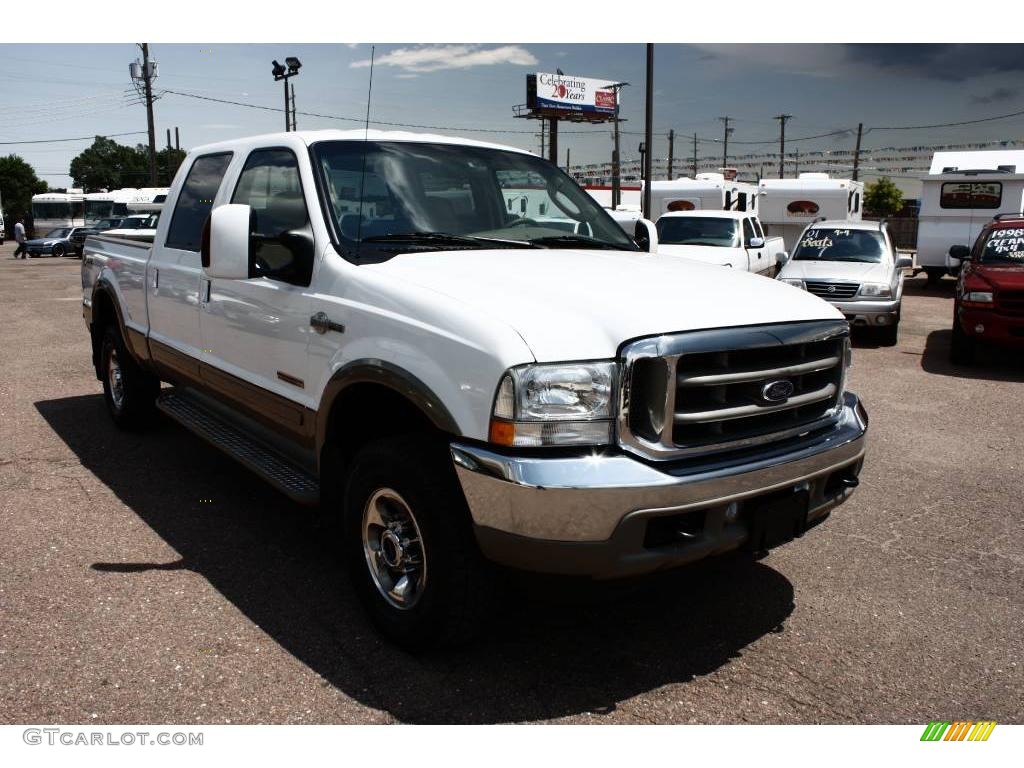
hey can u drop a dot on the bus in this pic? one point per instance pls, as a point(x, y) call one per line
point(52, 210)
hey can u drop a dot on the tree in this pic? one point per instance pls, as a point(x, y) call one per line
point(109, 165)
point(18, 182)
point(883, 198)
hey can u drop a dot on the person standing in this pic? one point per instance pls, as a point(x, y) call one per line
point(19, 236)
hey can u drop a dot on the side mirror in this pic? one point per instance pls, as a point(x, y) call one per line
point(959, 252)
point(646, 235)
point(781, 258)
point(904, 262)
point(227, 243)
point(755, 242)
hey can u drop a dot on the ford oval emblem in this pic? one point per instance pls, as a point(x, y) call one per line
point(777, 391)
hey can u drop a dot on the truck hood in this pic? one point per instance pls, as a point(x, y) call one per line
point(707, 254)
point(854, 271)
point(583, 304)
point(1005, 277)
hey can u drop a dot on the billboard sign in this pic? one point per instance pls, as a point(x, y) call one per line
point(570, 94)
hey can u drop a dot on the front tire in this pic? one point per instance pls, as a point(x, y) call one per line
point(409, 544)
point(961, 347)
point(935, 274)
point(129, 392)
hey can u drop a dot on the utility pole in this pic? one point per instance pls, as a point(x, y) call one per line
point(616, 167)
point(671, 148)
point(649, 130)
point(568, 156)
point(695, 155)
point(177, 143)
point(147, 76)
point(782, 143)
point(796, 170)
point(725, 143)
point(856, 152)
point(553, 141)
point(543, 135)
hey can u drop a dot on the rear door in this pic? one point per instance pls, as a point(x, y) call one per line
point(172, 277)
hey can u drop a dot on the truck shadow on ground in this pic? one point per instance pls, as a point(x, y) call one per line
point(919, 286)
point(558, 648)
point(991, 363)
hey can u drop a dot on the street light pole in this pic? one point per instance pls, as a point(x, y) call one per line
point(280, 72)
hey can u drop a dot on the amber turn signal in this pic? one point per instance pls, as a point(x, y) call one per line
point(502, 432)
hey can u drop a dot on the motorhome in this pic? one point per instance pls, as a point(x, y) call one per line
point(122, 202)
point(53, 210)
point(787, 206)
point(962, 192)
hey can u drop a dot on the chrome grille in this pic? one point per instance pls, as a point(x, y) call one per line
point(829, 289)
point(1011, 302)
point(708, 391)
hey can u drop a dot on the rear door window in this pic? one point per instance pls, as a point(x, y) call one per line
point(196, 201)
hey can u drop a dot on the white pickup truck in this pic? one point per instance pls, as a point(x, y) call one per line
point(726, 238)
point(359, 319)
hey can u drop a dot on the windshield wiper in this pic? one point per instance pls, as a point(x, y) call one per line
point(445, 238)
point(577, 240)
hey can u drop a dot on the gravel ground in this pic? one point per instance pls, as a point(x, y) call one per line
point(149, 579)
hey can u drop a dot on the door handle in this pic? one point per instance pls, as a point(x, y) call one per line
point(321, 323)
point(156, 279)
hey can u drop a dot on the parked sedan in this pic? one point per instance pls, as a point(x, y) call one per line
point(58, 242)
point(854, 267)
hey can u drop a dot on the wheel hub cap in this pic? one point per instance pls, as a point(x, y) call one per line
point(116, 379)
point(393, 548)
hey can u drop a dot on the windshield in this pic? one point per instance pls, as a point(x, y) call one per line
point(696, 230)
point(58, 233)
point(411, 193)
point(1004, 246)
point(840, 245)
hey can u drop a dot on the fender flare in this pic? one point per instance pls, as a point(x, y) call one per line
point(383, 373)
point(132, 339)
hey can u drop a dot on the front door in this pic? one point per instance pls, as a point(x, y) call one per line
point(758, 262)
point(256, 331)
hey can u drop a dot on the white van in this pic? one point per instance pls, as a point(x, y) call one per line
point(963, 192)
point(787, 206)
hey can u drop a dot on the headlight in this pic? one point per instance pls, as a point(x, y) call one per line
point(879, 290)
point(561, 404)
point(792, 281)
point(978, 297)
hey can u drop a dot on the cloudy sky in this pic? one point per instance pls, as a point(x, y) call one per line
point(62, 91)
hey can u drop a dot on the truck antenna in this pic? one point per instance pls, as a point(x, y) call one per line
point(362, 175)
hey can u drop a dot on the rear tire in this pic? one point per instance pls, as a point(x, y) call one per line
point(59, 249)
point(961, 347)
point(129, 391)
point(405, 518)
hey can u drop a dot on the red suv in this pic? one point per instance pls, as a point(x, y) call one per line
point(990, 291)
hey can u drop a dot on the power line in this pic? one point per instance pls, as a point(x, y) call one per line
point(944, 125)
point(360, 120)
point(76, 138)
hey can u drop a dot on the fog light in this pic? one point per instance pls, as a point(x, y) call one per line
point(979, 328)
point(732, 512)
point(883, 320)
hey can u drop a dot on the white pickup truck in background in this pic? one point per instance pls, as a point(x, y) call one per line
point(726, 238)
point(363, 320)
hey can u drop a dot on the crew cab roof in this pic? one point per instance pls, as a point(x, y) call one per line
point(312, 137)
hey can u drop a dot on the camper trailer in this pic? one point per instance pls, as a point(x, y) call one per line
point(707, 192)
point(787, 206)
point(962, 192)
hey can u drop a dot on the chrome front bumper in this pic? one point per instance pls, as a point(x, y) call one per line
point(590, 514)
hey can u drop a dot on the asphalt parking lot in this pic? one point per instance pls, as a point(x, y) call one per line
point(148, 578)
